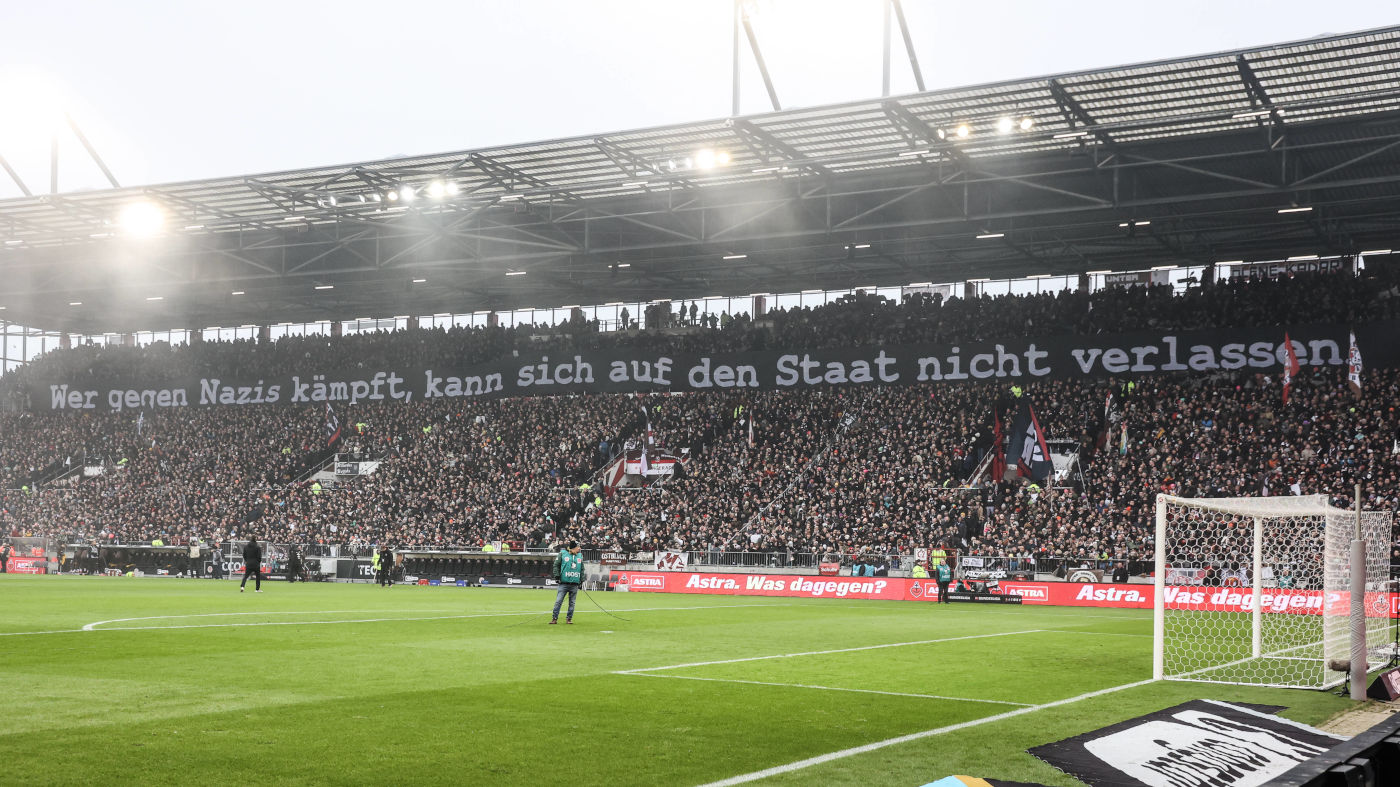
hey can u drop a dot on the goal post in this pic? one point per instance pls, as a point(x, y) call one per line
point(1257, 591)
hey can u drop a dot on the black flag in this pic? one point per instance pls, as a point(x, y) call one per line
point(1028, 445)
point(332, 425)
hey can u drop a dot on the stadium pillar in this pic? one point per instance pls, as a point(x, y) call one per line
point(337, 328)
point(264, 334)
point(413, 323)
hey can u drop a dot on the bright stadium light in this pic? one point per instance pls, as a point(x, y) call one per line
point(437, 190)
point(407, 194)
point(1027, 123)
point(962, 131)
point(705, 159)
point(237, 292)
point(1004, 126)
point(142, 219)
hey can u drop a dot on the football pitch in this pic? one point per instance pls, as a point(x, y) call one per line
point(164, 681)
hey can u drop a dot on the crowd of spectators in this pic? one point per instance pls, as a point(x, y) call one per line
point(848, 471)
point(857, 319)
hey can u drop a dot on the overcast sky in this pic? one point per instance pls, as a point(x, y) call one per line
point(171, 91)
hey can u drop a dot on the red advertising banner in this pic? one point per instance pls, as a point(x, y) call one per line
point(25, 564)
point(1062, 594)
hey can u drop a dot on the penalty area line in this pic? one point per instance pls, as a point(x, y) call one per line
point(827, 688)
point(914, 736)
point(640, 670)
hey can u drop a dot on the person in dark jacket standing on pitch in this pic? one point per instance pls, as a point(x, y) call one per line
point(5, 558)
point(568, 572)
point(386, 566)
point(252, 566)
point(944, 577)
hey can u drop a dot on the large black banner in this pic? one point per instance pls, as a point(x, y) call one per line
point(1011, 359)
point(1196, 744)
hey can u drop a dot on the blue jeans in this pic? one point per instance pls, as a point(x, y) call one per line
point(570, 588)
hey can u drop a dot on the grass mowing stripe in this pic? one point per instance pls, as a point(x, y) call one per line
point(913, 736)
point(826, 652)
point(826, 688)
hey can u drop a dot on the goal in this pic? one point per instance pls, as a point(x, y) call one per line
point(1257, 590)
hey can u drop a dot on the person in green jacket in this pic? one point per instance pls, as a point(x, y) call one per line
point(568, 572)
point(945, 576)
point(919, 571)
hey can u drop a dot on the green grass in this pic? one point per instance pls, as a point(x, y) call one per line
point(469, 686)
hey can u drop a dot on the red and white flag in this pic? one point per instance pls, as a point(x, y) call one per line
point(750, 429)
point(1354, 366)
point(1290, 368)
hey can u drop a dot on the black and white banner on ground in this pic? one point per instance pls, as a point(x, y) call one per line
point(1010, 359)
point(1201, 743)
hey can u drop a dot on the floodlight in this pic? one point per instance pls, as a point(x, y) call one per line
point(705, 159)
point(1027, 124)
point(393, 196)
point(407, 194)
point(437, 190)
point(963, 131)
point(1004, 126)
point(722, 158)
point(142, 219)
point(453, 189)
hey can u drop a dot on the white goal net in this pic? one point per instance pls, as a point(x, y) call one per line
point(1257, 590)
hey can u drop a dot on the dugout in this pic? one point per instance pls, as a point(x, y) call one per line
point(494, 568)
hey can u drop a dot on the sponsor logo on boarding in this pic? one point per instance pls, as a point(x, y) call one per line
point(1092, 593)
point(916, 590)
point(1030, 592)
point(647, 581)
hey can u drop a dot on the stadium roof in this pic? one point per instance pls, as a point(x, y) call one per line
point(1183, 161)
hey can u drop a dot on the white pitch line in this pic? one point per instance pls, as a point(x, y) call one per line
point(316, 622)
point(92, 626)
point(914, 736)
point(826, 652)
point(826, 688)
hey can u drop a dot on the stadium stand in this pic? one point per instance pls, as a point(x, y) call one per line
point(843, 471)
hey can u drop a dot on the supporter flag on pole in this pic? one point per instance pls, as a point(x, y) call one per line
point(1354, 366)
point(1290, 368)
point(332, 425)
point(645, 465)
point(141, 418)
point(650, 437)
point(750, 429)
point(1123, 442)
point(1028, 444)
point(998, 449)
